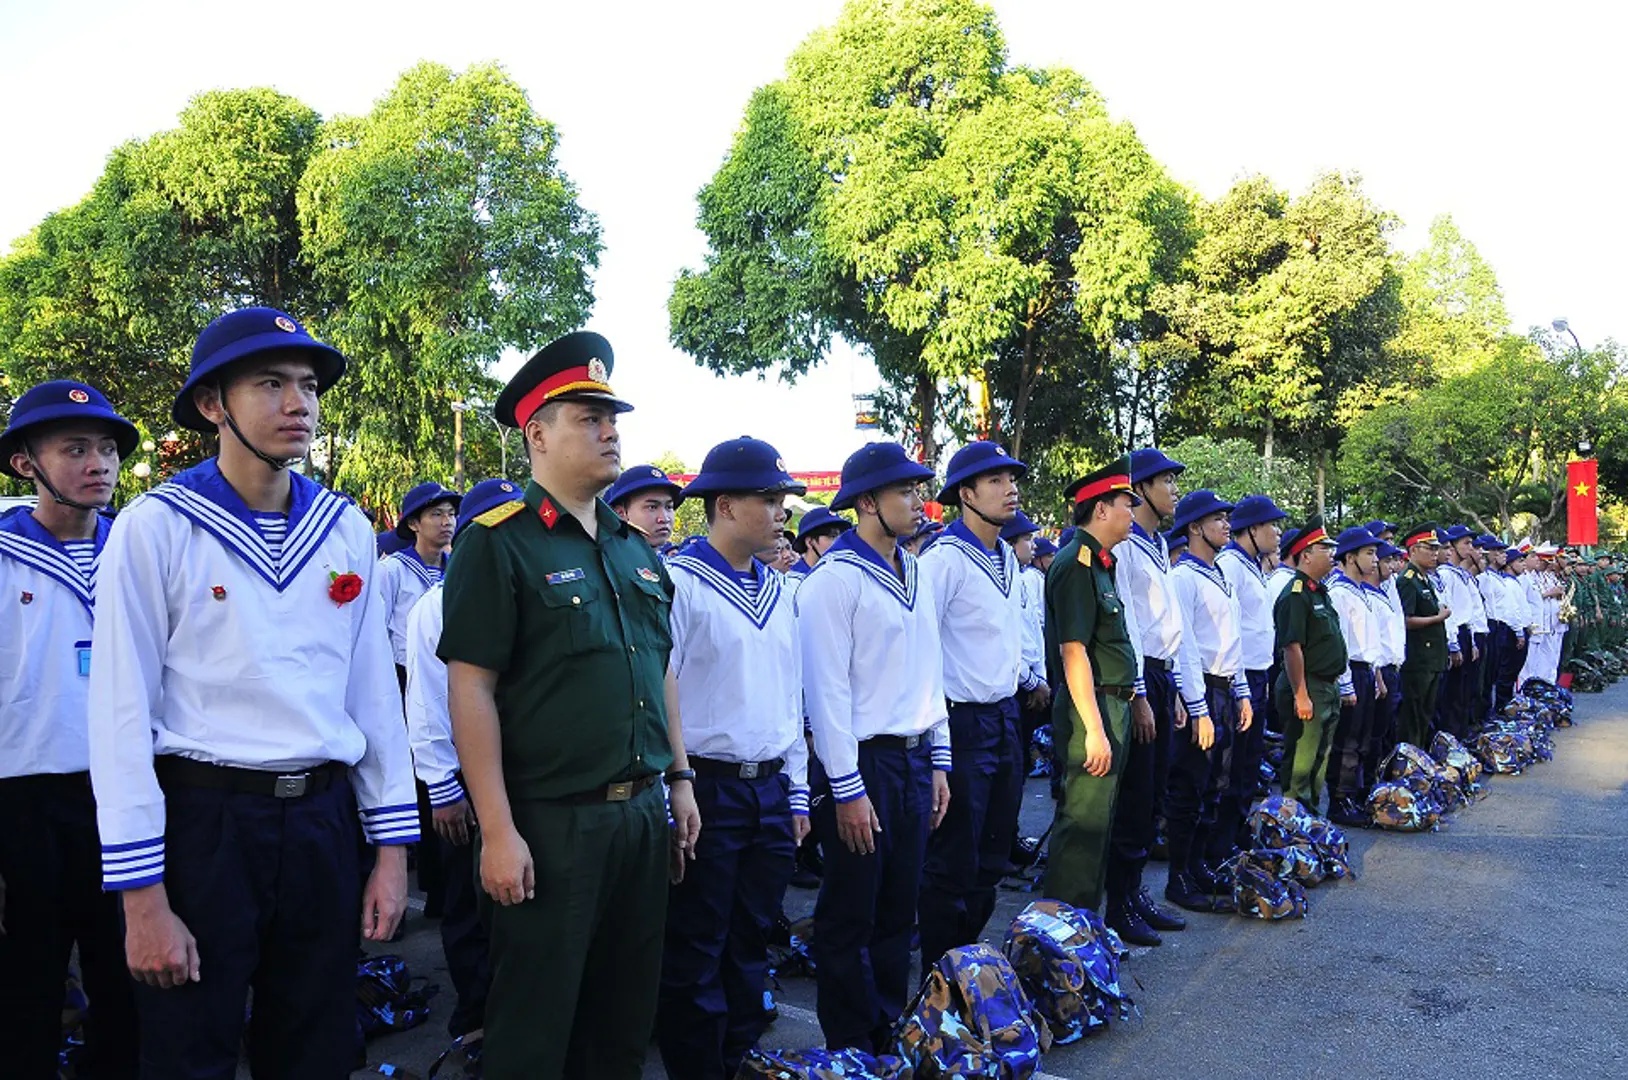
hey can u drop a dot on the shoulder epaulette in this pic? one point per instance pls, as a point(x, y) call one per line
point(1410, 574)
point(497, 515)
point(1296, 586)
point(636, 528)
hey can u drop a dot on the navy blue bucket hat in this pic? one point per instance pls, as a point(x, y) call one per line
point(1255, 510)
point(876, 465)
point(743, 465)
point(1149, 462)
point(238, 335)
point(484, 496)
point(637, 478)
point(62, 399)
point(815, 520)
point(422, 498)
point(1019, 527)
point(973, 460)
point(1355, 539)
point(1196, 505)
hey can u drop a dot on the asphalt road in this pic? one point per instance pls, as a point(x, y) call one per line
point(1497, 946)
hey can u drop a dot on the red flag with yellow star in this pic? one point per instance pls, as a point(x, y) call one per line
point(1582, 502)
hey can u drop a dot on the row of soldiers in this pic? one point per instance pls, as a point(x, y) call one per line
point(615, 747)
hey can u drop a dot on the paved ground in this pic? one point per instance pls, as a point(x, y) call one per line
point(1498, 946)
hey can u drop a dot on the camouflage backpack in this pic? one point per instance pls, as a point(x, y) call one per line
point(1397, 807)
point(1069, 964)
point(1282, 823)
point(1412, 767)
point(972, 1018)
point(1448, 751)
point(388, 998)
point(820, 1065)
point(1261, 889)
point(1499, 752)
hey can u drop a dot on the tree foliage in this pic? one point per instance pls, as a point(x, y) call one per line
point(1234, 468)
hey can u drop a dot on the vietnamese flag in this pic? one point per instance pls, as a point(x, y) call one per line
point(1582, 502)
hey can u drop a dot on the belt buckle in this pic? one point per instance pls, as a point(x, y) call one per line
point(749, 770)
point(620, 792)
point(912, 741)
point(291, 786)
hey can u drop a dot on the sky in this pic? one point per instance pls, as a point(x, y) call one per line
point(1501, 115)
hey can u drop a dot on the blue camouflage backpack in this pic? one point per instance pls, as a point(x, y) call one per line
point(1398, 808)
point(1069, 963)
point(1262, 888)
point(820, 1064)
point(972, 1018)
point(1297, 843)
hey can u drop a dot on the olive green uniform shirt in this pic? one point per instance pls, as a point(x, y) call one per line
point(1083, 605)
point(1304, 615)
point(1427, 645)
point(577, 630)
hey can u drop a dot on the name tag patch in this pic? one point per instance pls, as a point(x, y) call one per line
point(560, 577)
point(649, 574)
point(82, 655)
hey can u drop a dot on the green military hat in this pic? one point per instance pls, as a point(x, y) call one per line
point(1111, 478)
point(576, 367)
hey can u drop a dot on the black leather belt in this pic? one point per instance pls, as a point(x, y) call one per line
point(618, 792)
point(1123, 693)
point(289, 784)
point(897, 742)
point(71, 781)
point(1363, 664)
point(1162, 665)
point(1220, 682)
point(736, 770)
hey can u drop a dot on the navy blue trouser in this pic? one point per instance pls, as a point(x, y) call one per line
point(970, 851)
point(51, 864)
point(1199, 777)
point(463, 936)
point(1142, 786)
point(1382, 732)
point(269, 888)
point(1480, 686)
point(1347, 754)
point(715, 954)
point(1511, 658)
point(866, 912)
point(1249, 748)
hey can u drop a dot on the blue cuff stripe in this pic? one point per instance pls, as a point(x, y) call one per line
point(446, 795)
point(132, 865)
point(1140, 686)
point(847, 788)
point(799, 801)
point(396, 809)
point(943, 758)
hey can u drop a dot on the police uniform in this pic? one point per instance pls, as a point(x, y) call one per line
point(1083, 606)
point(576, 629)
point(978, 596)
point(1200, 827)
point(1427, 650)
point(740, 690)
point(50, 862)
point(873, 678)
point(1360, 625)
point(1305, 616)
point(1249, 583)
point(243, 711)
point(435, 763)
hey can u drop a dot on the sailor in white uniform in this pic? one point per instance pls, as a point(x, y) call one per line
point(65, 438)
point(873, 676)
point(243, 711)
point(816, 532)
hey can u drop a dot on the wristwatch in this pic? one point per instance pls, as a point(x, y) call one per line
point(675, 775)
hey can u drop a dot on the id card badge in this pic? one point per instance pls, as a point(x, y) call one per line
point(82, 652)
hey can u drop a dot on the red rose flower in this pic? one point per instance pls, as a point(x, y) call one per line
point(343, 588)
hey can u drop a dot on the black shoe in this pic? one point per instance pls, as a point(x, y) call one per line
point(1205, 878)
point(805, 879)
point(1184, 892)
point(1154, 915)
point(1124, 920)
point(1346, 812)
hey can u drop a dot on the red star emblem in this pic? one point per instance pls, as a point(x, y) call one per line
point(1106, 559)
point(548, 513)
point(1312, 585)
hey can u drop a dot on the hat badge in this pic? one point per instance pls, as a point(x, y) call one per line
point(78, 397)
point(780, 463)
point(597, 370)
point(507, 486)
point(286, 324)
point(658, 474)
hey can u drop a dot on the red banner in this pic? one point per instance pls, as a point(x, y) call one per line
point(1582, 502)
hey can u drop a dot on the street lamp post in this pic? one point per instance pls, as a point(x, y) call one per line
point(1563, 327)
point(461, 407)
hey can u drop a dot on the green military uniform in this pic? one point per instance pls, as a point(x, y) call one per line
point(1304, 615)
point(1427, 657)
point(577, 629)
point(1082, 605)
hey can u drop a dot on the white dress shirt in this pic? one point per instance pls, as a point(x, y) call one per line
point(738, 664)
point(1393, 630)
point(1210, 609)
point(1448, 588)
point(208, 648)
point(404, 578)
point(979, 599)
point(872, 660)
point(1469, 594)
point(1255, 599)
point(45, 648)
point(429, 723)
point(1358, 623)
point(1276, 582)
point(1153, 618)
point(1034, 626)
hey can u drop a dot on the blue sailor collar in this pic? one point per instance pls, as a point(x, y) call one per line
point(1210, 573)
point(24, 539)
point(850, 550)
point(714, 571)
point(800, 568)
point(1245, 557)
point(1153, 545)
point(412, 560)
point(997, 565)
point(202, 495)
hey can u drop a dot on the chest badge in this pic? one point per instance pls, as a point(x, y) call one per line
point(27, 598)
point(560, 577)
point(649, 574)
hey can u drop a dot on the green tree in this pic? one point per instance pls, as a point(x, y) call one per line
point(1233, 468)
point(1453, 315)
point(440, 230)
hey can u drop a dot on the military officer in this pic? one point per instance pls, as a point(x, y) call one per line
point(65, 439)
point(1312, 657)
point(1089, 642)
point(647, 498)
point(565, 716)
point(1427, 651)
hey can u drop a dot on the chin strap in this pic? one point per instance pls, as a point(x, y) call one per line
point(987, 519)
point(277, 464)
point(45, 481)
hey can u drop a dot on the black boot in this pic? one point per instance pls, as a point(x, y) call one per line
point(1204, 875)
point(1345, 811)
point(1124, 920)
point(1152, 914)
point(1181, 889)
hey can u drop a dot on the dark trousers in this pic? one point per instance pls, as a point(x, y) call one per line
point(866, 910)
point(1305, 742)
point(1079, 863)
point(970, 851)
point(575, 969)
point(1352, 735)
point(1420, 686)
point(426, 853)
point(51, 864)
point(1511, 658)
point(1492, 660)
point(715, 957)
point(1479, 686)
point(1143, 778)
point(269, 888)
point(1198, 779)
point(463, 937)
point(1249, 748)
point(1459, 689)
point(1382, 734)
